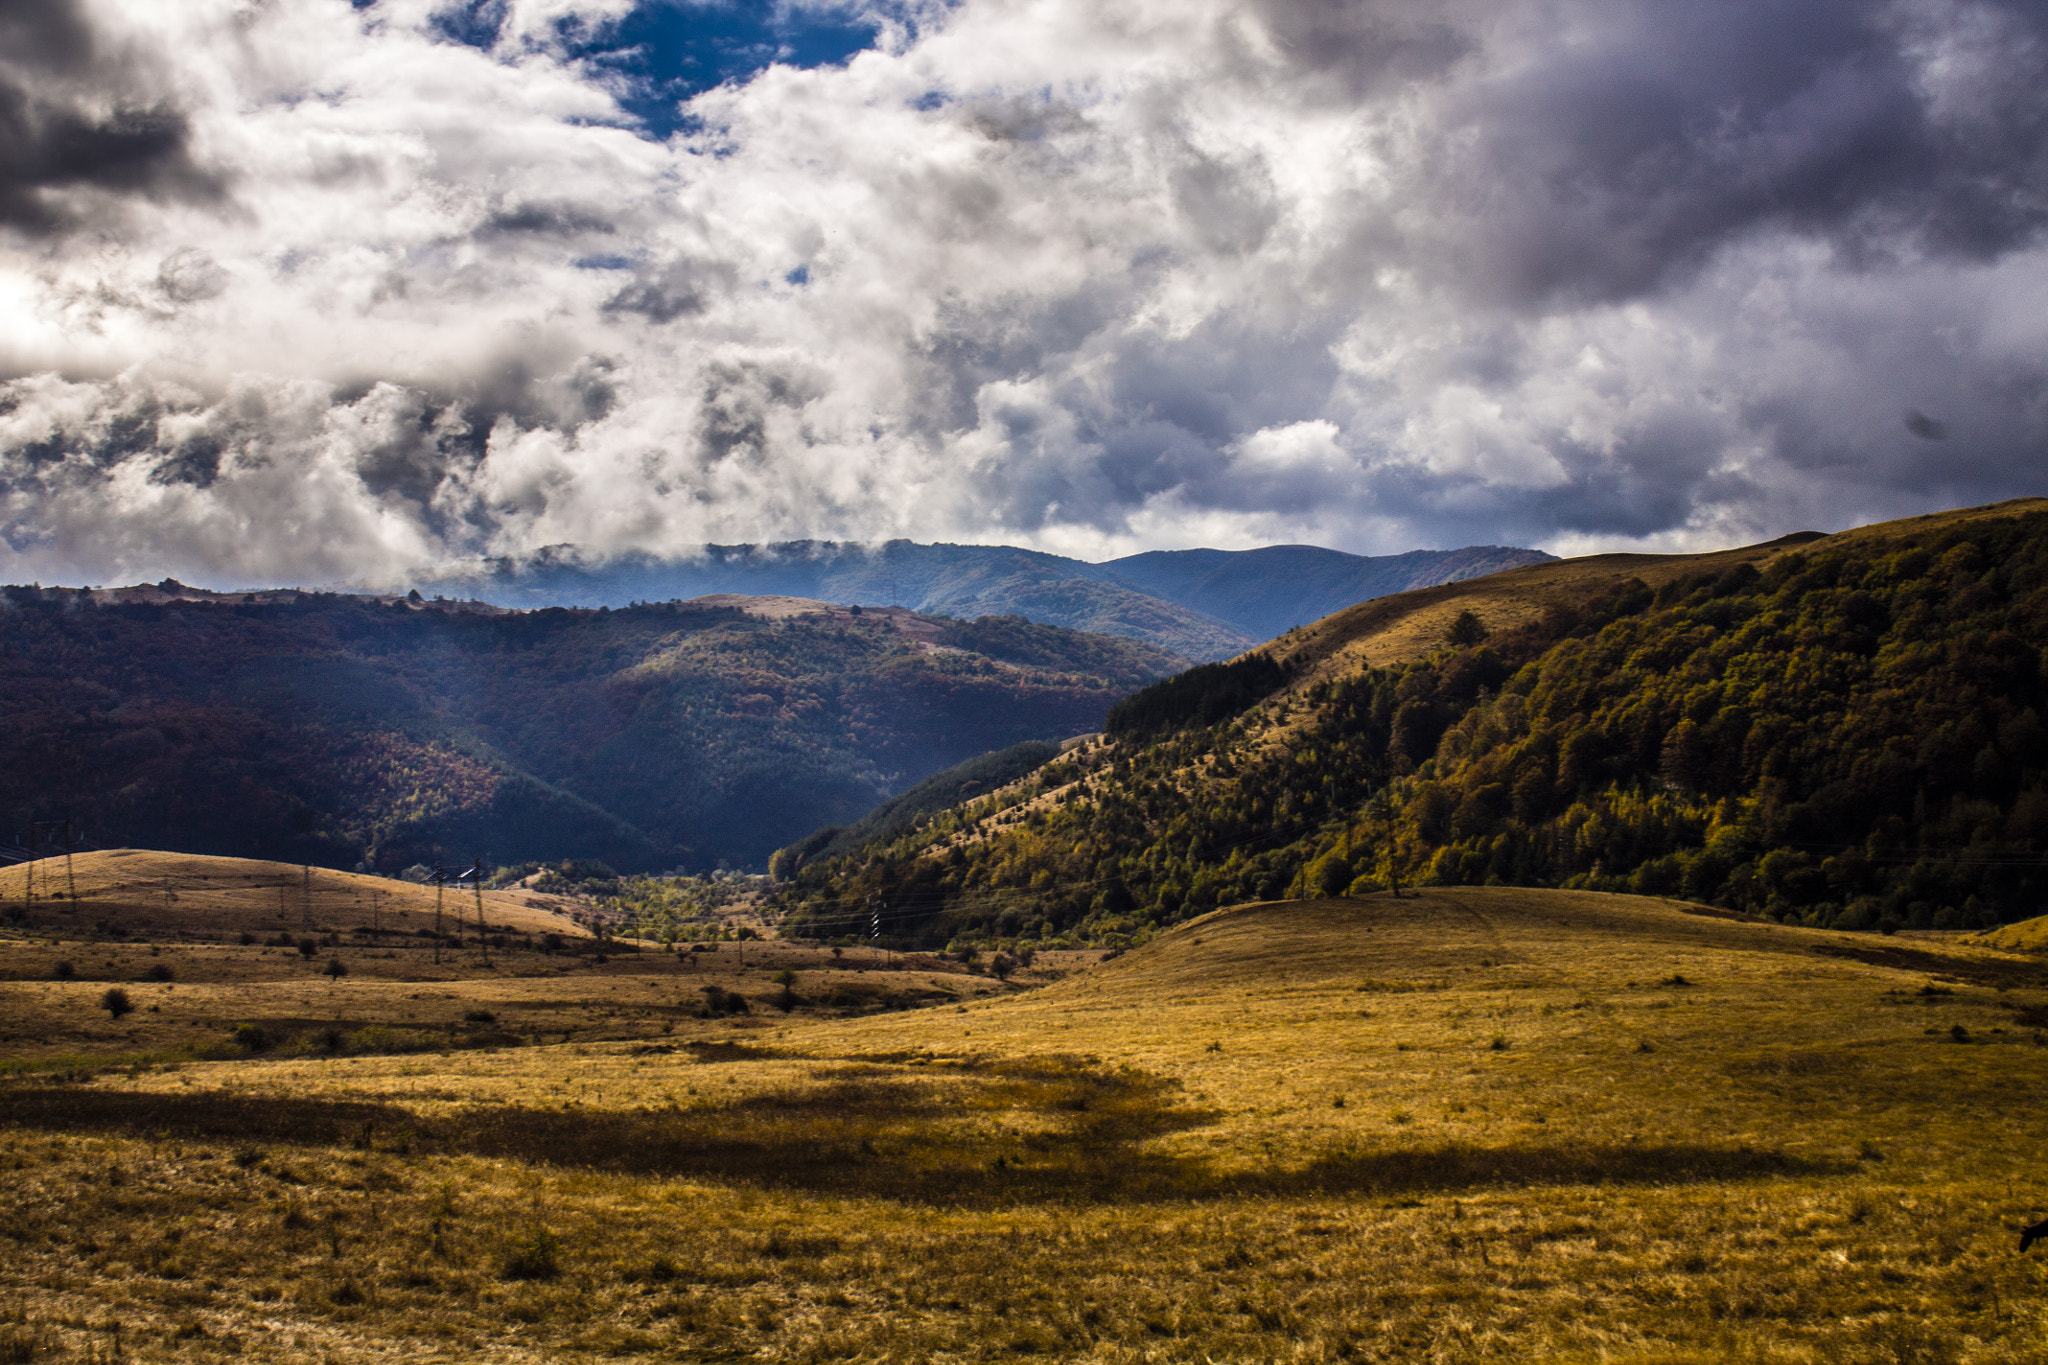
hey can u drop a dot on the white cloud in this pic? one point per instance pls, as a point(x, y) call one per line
point(1092, 276)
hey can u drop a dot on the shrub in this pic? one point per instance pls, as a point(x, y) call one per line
point(309, 948)
point(539, 1257)
point(1959, 1034)
point(245, 938)
point(116, 1003)
point(336, 968)
point(64, 971)
point(160, 972)
point(252, 1037)
point(719, 1001)
point(479, 1017)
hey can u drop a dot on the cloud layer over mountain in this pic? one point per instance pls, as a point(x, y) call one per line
point(309, 290)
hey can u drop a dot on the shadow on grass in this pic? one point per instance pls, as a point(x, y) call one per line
point(900, 1138)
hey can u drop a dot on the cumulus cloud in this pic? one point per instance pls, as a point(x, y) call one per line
point(316, 291)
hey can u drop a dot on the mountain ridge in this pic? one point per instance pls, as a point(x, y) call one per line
point(1202, 604)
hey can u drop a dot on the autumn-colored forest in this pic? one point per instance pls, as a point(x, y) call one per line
point(1851, 736)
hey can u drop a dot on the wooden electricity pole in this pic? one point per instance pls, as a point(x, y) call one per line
point(477, 883)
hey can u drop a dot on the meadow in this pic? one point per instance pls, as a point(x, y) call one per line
point(1467, 1124)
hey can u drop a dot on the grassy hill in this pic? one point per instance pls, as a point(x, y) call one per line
point(154, 896)
point(1201, 604)
point(1472, 1124)
point(1843, 730)
point(348, 731)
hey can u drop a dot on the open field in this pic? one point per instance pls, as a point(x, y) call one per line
point(1468, 1124)
point(203, 945)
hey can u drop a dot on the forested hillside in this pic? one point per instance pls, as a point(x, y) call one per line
point(1846, 731)
point(344, 730)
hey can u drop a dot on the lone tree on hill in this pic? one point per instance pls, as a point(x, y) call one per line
point(1466, 629)
point(116, 1003)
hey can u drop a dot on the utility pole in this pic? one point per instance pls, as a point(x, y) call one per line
point(440, 881)
point(477, 884)
point(69, 876)
point(28, 870)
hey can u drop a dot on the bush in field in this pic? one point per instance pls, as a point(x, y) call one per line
point(539, 1257)
point(719, 1001)
point(116, 1003)
point(251, 1037)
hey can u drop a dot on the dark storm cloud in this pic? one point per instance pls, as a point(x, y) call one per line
point(1661, 132)
point(74, 118)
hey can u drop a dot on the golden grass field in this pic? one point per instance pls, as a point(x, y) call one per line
point(1464, 1125)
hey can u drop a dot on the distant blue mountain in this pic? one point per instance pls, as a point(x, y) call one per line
point(1269, 591)
point(1200, 604)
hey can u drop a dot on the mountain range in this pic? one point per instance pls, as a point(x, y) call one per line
point(1841, 731)
point(350, 730)
point(1200, 604)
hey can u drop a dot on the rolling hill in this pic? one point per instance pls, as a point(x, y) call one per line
point(1202, 604)
point(1842, 730)
point(351, 731)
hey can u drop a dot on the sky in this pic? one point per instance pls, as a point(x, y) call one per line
point(322, 291)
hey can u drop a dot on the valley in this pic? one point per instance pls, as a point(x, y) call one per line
point(1631, 960)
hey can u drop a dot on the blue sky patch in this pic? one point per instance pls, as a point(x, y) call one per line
point(670, 50)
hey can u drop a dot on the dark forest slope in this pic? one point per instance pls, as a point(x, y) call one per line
point(340, 729)
point(1843, 730)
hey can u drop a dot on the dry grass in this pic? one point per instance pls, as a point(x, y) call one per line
point(2027, 936)
point(1465, 1125)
